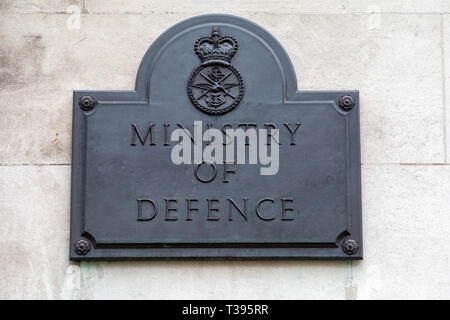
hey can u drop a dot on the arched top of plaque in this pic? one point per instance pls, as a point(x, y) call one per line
point(186, 63)
point(266, 70)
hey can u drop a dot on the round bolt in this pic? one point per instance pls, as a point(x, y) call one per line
point(82, 247)
point(87, 103)
point(346, 102)
point(350, 246)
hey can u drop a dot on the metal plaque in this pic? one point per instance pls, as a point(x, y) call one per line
point(216, 155)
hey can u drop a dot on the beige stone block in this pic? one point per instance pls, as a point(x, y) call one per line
point(406, 238)
point(396, 64)
point(43, 61)
point(214, 280)
point(405, 241)
point(41, 6)
point(34, 231)
point(446, 80)
point(216, 6)
point(399, 6)
point(231, 6)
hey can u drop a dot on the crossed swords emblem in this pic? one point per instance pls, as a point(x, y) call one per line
point(215, 86)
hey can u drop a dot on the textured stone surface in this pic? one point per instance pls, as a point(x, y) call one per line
point(41, 6)
point(43, 62)
point(406, 238)
point(446, 80)
point(213, 280)
point(216, 6)
point(395, 60)
point(268, 6)
point(404, 6)
point(34, 231)
point(231, 6)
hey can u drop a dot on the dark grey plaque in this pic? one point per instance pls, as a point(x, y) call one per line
point(131, 201)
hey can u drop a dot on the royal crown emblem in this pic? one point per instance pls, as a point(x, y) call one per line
point(215, 86)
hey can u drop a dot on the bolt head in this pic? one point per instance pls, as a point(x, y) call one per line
point(82, 247)
point(350, 246)
point(346, 102)
point(87, 103)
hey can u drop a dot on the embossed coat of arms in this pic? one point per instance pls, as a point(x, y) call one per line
point(215, 86)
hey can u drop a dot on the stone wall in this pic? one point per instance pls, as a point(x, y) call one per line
point(397, 53)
